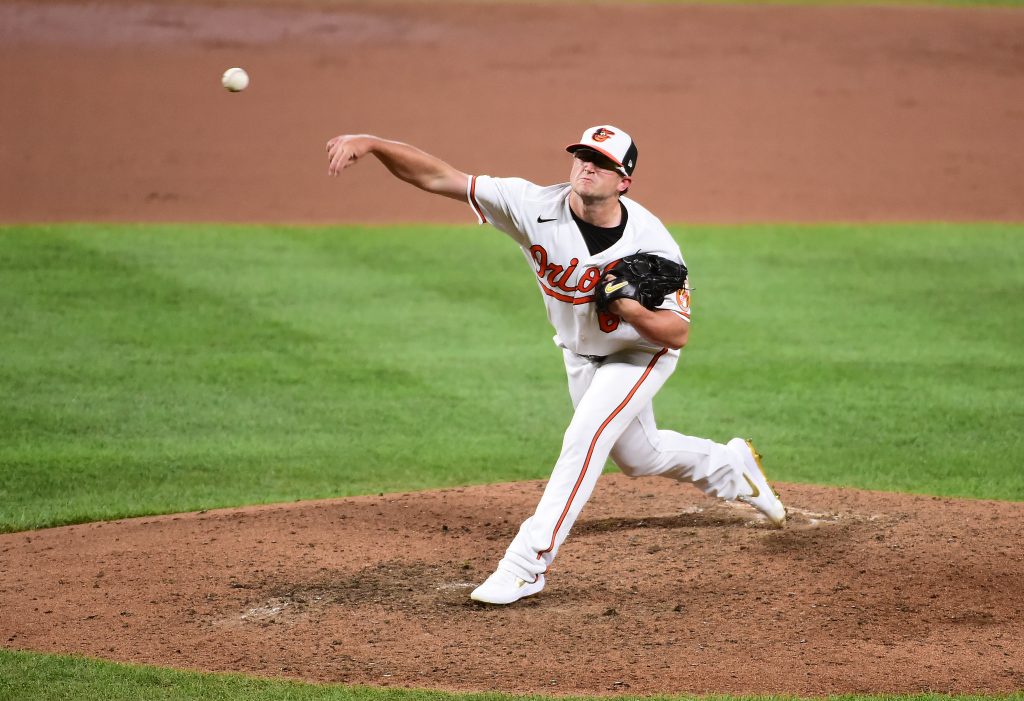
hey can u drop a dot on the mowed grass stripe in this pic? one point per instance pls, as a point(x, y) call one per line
point(153, 369)
point(885, 357)
point(225, 366)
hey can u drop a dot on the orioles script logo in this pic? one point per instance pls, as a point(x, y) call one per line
point(602, 134)
point(558, 277)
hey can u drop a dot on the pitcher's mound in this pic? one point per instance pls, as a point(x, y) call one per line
point(658, 590)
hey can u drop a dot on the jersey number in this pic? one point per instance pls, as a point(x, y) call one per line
point(607, 322)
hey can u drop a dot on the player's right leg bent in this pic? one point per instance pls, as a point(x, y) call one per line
point(732, 471)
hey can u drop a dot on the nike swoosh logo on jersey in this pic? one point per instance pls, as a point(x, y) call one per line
point(544, 221)
point(612, 287)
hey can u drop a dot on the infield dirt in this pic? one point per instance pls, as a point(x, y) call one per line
point(741, 114)
point(659, 589)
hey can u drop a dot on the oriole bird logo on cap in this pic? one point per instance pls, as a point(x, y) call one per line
point(602, 134)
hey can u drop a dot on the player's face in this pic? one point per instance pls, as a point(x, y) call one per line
point(594, 176)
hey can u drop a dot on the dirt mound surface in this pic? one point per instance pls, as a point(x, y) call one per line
point(658, 590)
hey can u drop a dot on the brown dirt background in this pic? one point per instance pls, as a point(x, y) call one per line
point(741, 113)
point(113, 111)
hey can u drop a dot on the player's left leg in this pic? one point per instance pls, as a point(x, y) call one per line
point(607, 397)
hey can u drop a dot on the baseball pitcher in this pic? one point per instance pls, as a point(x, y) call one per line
point(615, 286)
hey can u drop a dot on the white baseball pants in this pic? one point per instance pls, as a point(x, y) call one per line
point(614, 416)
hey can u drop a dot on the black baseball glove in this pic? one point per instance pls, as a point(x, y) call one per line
point(645, 277)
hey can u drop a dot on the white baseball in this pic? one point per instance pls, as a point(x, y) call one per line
point(235, 79)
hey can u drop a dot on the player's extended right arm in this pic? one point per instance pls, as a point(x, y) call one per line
point(405, 162)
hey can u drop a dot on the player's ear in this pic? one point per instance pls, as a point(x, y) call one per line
point(624, 184)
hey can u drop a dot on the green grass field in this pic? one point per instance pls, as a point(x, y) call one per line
point(154, 369)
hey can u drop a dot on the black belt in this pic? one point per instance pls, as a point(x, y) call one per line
point(593, 358)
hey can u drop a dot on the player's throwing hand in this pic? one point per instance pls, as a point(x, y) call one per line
point(405, 162)
point(343, 151)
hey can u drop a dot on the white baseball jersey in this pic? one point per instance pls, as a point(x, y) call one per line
point(613, 372)
point(539, 220)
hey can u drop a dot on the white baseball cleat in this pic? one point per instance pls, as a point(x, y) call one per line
point(504, 587)
point(762, 497)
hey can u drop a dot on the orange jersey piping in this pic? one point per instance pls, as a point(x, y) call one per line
point(472, 201)
point(569, 299)
point(593, 443)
